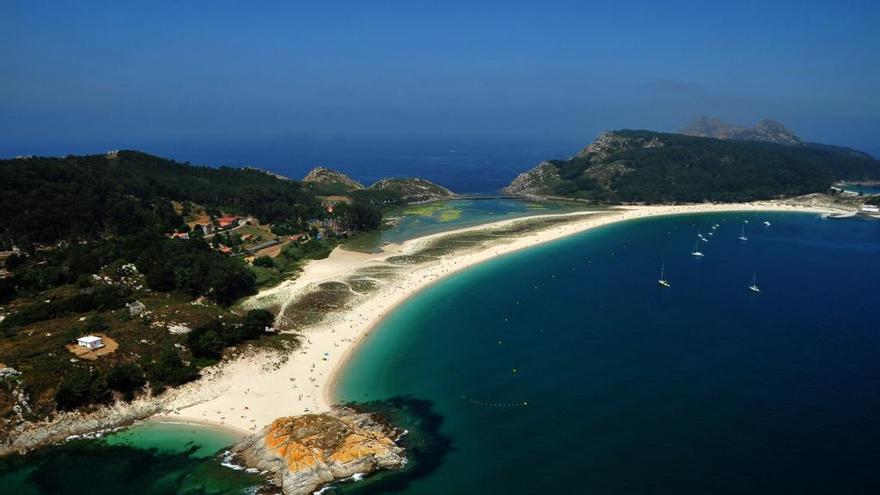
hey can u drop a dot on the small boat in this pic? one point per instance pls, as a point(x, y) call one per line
point(766, 223)
point(754, 286)
point(696, 252)
point(662, 281)
point(745, 221)
point(742, 235)
point(711, 233)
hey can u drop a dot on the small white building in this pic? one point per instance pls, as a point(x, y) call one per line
point(90, 342)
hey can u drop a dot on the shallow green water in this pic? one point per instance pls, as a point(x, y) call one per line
point(566, 369)
point(151, 458)
point(442, 216)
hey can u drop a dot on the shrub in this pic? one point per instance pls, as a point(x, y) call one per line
point(264, 261)
point(126, 378)
point(81, 387)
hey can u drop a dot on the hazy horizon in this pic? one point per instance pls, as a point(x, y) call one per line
point(170, 78)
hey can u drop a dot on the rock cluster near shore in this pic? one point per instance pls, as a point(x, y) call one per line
point(301, 453)
point(23, 437)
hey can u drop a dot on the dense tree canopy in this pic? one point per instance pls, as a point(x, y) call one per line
point(89, 197)
point(679, 168)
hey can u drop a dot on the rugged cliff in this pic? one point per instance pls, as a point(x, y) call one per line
point(304, 452)
point(538, 181)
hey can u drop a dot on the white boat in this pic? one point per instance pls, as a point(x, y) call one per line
point(742, 235)
point(696, 252)
point(766, 223)
point(754, 286)
point(746, 221)
point(662, 281)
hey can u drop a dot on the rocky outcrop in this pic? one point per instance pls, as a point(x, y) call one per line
point(302, 453)
point(535, 182)
point(544, 179)
point(610, 142)
point(327, 177)
point(766, 130)
point(413, 190)
point(21, 437)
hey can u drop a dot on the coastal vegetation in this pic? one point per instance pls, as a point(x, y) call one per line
point(633, 166)
point(152, 255)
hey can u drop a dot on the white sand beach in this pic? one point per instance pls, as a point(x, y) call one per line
point(249, 392)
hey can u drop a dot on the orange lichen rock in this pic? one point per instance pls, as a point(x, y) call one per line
point(304, 452)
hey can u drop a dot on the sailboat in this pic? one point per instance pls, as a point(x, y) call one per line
point(754, 286)
point(696, 252)
point(742, 235)
point(662, 281)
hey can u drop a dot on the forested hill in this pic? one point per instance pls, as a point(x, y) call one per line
point(646, 166)
point(127, 192)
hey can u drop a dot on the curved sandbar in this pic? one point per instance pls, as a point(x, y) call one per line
point(250, 392)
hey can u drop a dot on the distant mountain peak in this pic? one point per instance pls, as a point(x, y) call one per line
point(326, 176)
point(766, 130)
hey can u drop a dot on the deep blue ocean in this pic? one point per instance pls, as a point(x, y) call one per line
point(567, 369)
point(465, 165)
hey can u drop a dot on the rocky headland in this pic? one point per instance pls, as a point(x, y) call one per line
point(302, 453)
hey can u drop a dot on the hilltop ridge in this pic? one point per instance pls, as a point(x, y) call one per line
point(327, 177)
point(766, 130)
point(652, 167)
point(413, 189)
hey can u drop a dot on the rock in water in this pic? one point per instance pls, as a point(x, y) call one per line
point(304, 452)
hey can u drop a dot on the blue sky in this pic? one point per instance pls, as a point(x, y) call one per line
point(79, 75)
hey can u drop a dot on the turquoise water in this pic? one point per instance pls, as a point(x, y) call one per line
point(150, 458)
point(432, 218)
point(567, 369)
point(863, 189)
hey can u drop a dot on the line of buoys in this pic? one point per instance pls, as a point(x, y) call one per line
point(494, 404)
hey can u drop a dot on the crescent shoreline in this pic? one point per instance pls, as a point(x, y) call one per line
point(247, 393)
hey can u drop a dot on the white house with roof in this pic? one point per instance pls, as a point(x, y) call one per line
point(90, 342)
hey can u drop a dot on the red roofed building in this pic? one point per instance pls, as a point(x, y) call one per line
point(299, 237)
point(227, 221)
